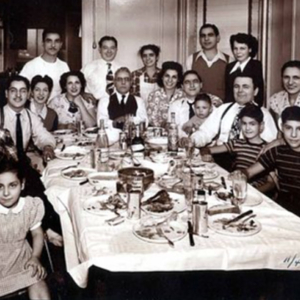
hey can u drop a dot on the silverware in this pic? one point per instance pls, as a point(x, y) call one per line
point(239, 217)
point(162, 234)
point(190, 231)
point(63, 148)
point(223, 182)
point(84, 182)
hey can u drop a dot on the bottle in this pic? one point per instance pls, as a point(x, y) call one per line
point(102, 152)
point(137, 144)
point(173, 135)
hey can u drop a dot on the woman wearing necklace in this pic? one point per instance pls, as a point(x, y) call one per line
point(41, 88)
point(169, 80)
point(144, 79)
point(70, 106)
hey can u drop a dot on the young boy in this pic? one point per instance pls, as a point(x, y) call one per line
point(247, 150)
point(202, 109)
point(286, 160)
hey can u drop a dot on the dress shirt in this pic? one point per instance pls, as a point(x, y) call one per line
point(40, 136)
point(240, 65)
point(210, 128)
point(279, 101)
point(102, 113)
point(220, 55)
point(95, 74)
point(38, 66)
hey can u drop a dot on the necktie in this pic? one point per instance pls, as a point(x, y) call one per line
point(109, 80)
point(19, 137)
point(235, 127)
point(191, 110)
point(123, 101)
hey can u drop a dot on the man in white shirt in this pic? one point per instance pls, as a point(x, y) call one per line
point(48, 63)
point(121, 104)
point(219, 125)
point(99, 73)
point(210, 63)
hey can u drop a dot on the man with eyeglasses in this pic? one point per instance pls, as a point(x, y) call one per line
point(48, 63)
point(116, 107)
point(99, 73)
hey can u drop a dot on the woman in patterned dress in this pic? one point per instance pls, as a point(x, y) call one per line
point(70, 106)
point(20, 265)
point(169, 80)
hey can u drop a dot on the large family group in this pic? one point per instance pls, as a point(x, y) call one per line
point(218, 103)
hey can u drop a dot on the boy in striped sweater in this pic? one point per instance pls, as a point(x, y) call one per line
point(246, 151)
point(285, 159)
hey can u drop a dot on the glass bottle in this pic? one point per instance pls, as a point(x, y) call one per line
point(173, 135)
point(137, 144)
point(102, 152)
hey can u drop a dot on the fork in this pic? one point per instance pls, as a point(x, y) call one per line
point(162, 234)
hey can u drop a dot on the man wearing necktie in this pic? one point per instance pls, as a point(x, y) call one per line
point(99, 73)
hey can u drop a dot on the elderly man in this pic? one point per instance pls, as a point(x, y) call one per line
point(121, 104)
point(290, 96)
point(48, 63)
point(223, 124)
point(99, 73)
point(210, 63)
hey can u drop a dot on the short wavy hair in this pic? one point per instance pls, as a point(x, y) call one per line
point(191, 72)
point(290, 64)
point(45, 79)
point(64, 78)
point(244, 38)
point(151, 47)
point(17, 78)
point(170, 65)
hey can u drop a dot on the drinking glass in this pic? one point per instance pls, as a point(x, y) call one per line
point(189, 149)
point(239, 187)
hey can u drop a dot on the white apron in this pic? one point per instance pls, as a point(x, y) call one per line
point(146, 88)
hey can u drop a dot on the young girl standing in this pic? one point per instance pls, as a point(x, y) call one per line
point(19, 264)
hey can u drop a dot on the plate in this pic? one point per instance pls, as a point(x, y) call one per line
point(63, 131)
point(91, 132)
point(116, 155)
point(76, 173)
point(164, 158)
point(171, 183)
point(85, 143)
point(97, 206)
point(208, 173)
point(97, 177)
point(175, 231)
point(216, 223)
point(178, 201)
point(71, 153)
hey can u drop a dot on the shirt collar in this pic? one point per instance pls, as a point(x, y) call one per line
point(240, 65)
point(43, 112)
point(12, 114)
point(119, 96)
point(219, 55)
point(15, 210)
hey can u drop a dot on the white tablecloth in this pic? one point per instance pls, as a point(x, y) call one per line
point(90, 241)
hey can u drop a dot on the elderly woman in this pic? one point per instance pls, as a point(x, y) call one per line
point(70, 106)
point(169, 80)
point(244, 47)
point(40, 92)
point(144, 79)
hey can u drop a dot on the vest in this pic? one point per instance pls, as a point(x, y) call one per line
point(213, 78)
point(115, 109)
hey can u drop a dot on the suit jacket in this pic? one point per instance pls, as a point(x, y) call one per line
point(253, 69)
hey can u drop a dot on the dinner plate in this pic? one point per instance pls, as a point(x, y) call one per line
point(71, 153)
point(175, 231)
point(208, 173)
point(216, 224)
point(63, 131)
point(91, 132)
point(178, 201)
point(76, 173)
point(97, 206)
point(165, 157)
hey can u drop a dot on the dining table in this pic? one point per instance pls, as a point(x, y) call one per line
point(91, 241)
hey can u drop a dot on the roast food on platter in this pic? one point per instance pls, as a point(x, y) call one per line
point(78, 173)
point(160, 202)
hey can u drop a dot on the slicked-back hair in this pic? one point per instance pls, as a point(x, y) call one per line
point(212, 26)
point(17, 78)
point(170, 65)
point(47, 31)
point(245, 75)
point(252, 111)
point(291, 113)
point(191, 72)
point(151, 47)
point(45, 79)
point(64, 78)
point(107, 38)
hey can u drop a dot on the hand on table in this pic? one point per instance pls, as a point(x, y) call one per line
point(48, 153)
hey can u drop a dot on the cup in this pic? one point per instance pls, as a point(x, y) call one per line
point(239, 187)
point(189, 149)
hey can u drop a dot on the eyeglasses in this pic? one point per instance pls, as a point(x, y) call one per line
point(121, 79)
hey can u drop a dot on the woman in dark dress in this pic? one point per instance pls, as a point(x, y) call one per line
point(244, 48)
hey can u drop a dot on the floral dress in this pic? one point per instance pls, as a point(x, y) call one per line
point(14, 248)
point(158, 106)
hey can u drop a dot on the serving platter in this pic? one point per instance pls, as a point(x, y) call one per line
point(76, 173)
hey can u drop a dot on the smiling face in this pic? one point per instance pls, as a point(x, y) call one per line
point(251, 128)
point(291, 80)
point(52, 44)
point(208, 39)
point(108, 50)
point(73, 86)
point(149, 58)
point(17, 95)
point(243, 90)
point(291, 133)
point(41, 93)
point(191, 85)
point(170, 79)
point(122, 82)
point(202, 109)
point(241, 52)
point(10, 189)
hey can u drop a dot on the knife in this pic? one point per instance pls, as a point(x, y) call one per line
point(239, 217)
point(190, 231)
